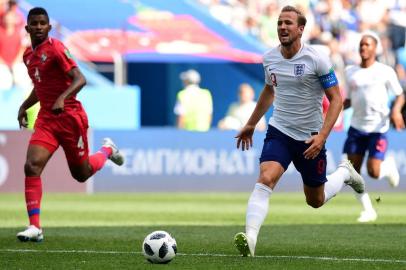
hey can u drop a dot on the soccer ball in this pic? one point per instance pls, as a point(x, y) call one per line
point(159, 247)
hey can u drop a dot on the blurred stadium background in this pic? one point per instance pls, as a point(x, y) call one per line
point(132, 52)
point(132, 58)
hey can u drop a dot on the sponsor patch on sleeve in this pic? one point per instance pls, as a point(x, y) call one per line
point(68, 54)
point(328, 80)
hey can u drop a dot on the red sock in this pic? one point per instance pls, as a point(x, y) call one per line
point(33, 195)
point(98, 159)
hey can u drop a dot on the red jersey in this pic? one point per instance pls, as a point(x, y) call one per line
point(48, 66)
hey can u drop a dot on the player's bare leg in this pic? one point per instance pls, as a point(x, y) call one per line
point(356, 161)
point(81, 172)
point(37, 157)
point(314, 195)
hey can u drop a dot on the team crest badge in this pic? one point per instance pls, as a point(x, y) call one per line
point(299, 69)
point(43, 58)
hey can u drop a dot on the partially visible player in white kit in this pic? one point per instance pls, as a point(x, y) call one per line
point(296, 79)
point(369, 86)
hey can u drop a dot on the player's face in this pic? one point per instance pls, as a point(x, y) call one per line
point(288, 29)
point(367, 48)
point(38, 27)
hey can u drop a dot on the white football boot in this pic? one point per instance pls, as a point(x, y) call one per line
point(355, 181)
point(244, 245)
point(367, 216)
point(116, 157)
point(32, 233)
point(393, 176)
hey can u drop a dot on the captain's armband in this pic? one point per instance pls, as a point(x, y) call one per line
point(328, 80)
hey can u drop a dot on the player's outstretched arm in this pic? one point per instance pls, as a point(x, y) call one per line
point(78, 81)
point(22, 112)
point(244, 137)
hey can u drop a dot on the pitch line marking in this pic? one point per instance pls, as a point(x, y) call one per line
point(209, 255)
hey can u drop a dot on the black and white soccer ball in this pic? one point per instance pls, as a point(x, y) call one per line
point(159, 247)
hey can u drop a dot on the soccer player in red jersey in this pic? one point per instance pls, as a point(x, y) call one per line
point(61, 121)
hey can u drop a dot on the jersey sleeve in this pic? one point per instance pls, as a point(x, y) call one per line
point(64, 57)
point(265, 63)
point(25, 57)
point(325, 72)
point(267, 78)
point(393, 82)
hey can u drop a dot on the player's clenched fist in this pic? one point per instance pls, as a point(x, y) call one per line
point(22, 118)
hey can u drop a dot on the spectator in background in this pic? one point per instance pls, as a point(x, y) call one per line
point(387, 56)
point(239, 112)
point(372, 13)
point(343, 19)
point(268, 22)
point(194, 105)
point(397, 28)
point(221, 11)
point(327, 15)
point(12, 69)
point(3, 7)
point(252, 27)
point(19, 20)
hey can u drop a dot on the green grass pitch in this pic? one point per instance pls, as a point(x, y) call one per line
point(105, 231)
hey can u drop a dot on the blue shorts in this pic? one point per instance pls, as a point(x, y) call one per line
point(358, 142)
point(284, 149)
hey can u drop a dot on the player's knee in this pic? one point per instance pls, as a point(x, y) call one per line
point(267, 180)
point(80, 173)
point(315, 203)
point(32, 168)
point(81, 178)
point(374, 173)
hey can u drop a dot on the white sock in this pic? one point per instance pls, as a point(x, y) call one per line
point(386, 167)
point(257, 210)
point(365, 201)
point(335, 182)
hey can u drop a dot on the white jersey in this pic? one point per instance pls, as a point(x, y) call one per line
point(299, 85)
point(369, 90)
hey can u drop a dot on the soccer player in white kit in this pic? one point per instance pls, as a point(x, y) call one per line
point(369, 86)
point(296, 78)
